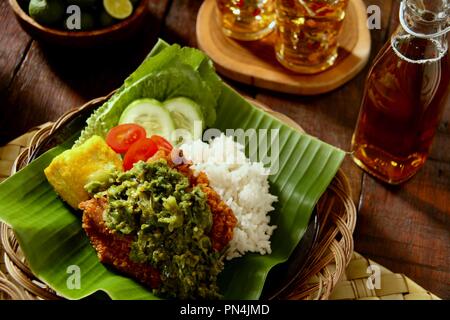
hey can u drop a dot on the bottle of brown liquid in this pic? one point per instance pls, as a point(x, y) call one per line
point(406, 92)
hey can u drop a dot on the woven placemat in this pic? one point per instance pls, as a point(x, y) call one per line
point(363, 279)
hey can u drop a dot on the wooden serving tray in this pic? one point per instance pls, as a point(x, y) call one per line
point(254, 62)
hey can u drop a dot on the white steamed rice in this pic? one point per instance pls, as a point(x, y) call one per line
point(243, 186)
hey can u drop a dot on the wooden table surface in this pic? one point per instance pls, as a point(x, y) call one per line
point(406, 229)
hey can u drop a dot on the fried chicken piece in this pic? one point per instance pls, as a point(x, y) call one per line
point(224, 219)
point(113, 248)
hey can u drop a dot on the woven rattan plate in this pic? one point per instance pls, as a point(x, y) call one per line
point(321, 269)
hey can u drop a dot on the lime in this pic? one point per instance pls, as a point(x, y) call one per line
point(87, 21)
point(46, 12)
point(119, 9)
point(105, 19)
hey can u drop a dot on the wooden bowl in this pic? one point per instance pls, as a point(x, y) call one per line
point(82, 39)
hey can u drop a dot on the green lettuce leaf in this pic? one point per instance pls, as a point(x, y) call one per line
point(164, 59)
point(168, 72)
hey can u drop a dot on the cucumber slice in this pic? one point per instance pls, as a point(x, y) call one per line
point(151, 115)
point(187, 115)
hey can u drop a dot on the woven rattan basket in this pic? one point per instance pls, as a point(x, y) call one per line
point(322, 269)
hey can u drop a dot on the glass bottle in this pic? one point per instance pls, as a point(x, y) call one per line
point(406, 92)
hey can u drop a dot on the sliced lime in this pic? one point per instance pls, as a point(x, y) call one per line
point(119, 9)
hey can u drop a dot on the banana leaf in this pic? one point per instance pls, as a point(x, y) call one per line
point(51, 237)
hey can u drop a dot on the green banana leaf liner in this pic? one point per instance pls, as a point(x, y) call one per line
point(49, 232)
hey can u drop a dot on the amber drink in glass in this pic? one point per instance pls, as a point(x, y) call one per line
point(246, 19)
point(307, 33)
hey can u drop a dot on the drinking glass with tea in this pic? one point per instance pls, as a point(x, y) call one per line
point(307, 33)
point(246, 19)
point(406, 92)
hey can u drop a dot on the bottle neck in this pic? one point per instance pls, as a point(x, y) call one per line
point(425, 18)
point(421, 37)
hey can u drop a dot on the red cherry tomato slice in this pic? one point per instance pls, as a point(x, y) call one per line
point(121, 138)
point(142, 149)
point(162, 143)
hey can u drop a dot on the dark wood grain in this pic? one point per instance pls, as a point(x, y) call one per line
point(441, 147)
point(405, 228)
point(180, 22)
point(13, 46)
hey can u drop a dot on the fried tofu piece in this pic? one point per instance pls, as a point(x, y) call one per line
point(70, 171)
